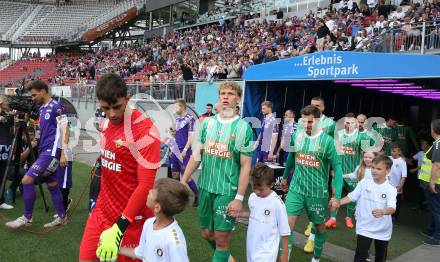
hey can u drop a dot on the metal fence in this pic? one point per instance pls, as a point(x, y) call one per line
point(158, 91)
point(416, 37)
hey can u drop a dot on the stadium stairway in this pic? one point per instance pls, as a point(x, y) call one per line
point(24, 68)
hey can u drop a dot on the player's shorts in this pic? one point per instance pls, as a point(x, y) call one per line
point(95, 226)
point(44, 168)
point(64, 176)
point(176, 164)
point(213, 212)
point(316, 207)
point(350, 184)
point(262, 157)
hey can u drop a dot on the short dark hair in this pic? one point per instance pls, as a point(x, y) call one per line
point(291, 110)
point(318, 98)
point(262, 175)
point(38, 85)
point(395, 145)
point(383, 159)
point(110, 87)
point(311, 110)
point(209, 104)
point(350, 115)
point(435, 125)
point(172, 196)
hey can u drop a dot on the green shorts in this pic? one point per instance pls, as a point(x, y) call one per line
point(350, 184)
point(213, 212)
point(316, 207)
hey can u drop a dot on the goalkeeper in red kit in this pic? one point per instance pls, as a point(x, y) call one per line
point(130, 155)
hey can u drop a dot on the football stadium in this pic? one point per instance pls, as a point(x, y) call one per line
point(220, 130)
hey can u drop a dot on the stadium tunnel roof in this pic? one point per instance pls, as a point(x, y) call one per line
point(402, 74)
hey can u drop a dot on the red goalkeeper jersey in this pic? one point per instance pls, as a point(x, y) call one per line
point(130, 156)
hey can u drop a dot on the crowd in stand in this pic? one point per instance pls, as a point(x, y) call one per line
point(225, 50)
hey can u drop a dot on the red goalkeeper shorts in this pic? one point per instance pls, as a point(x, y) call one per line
point(95, 226)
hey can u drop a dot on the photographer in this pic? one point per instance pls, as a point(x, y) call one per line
point(26, 161)
point(6, 125)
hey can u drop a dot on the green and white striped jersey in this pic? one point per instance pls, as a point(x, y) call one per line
point(327, 125)
point(223, 142)
point(350, 149)
point(389, 136)
point(313, 157)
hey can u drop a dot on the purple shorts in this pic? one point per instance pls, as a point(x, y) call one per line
point(44, 168)
point(64, 176)
point(262, 157)
point(176, 164)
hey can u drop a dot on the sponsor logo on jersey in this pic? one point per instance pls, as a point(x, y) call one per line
point(119, 143)
point(218, 149)
point(309, 160)
point(348, 150)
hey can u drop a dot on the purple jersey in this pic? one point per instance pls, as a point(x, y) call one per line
point(269, 127)
point(52, 116)
point(184, 125)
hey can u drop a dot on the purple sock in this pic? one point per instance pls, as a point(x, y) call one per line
point(193, 187)
point(29, 196)
point(57, 200)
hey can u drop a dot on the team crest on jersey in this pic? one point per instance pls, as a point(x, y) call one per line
point(232, 137)
point(219, 132)
point(266, 212)
point(47, 116)
point(159, 252)
point(119, 143)
point(384, 196)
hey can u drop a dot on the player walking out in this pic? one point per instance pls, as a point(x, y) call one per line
point(226, 147)
point(130, 157)
point(53, 145)
point(313, 152)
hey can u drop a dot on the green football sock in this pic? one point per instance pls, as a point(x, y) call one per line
point(319, 243)
point(221, 256)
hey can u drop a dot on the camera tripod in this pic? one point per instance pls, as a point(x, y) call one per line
point(17, 148)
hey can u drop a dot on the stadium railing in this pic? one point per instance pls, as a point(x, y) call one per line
point(418, 38)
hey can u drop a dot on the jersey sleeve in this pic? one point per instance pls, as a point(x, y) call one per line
point(435, 156)
point(139, 250)
point(244, 138)
point(404, 169)
point(391, 200)
point(356, 193)
point(201, 136)
point(282, 220)
point(177, 251)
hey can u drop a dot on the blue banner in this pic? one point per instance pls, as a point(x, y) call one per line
point(331, 65)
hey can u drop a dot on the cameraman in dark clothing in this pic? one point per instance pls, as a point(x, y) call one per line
point(26, 161)
point(6, 130)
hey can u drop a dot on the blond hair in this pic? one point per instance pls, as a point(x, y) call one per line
point(267, 103)
point(230, 85)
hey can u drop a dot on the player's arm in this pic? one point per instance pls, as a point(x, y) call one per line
point(234, 208)
point(196, 157)
point(290, 162)
point(63, 122)
point(110, 239)
point(192, 165)
point(128, 252)
point(190, 137)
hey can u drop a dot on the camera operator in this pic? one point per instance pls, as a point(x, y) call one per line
point(26, 162)
point(54, 139)
point(6, 126)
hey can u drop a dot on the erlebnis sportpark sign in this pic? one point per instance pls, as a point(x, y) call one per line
point(346, 65)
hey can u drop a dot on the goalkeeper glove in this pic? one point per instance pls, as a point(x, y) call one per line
point(110, 240)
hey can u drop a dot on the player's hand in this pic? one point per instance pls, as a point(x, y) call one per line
point(432, 187)
point(183, 154)
point(270, 156)
point(234, 208)
point(34, 143)
point(63, 160)
point(284, 185)
point(109, 243)
point(334, 204)
point(377, 213)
